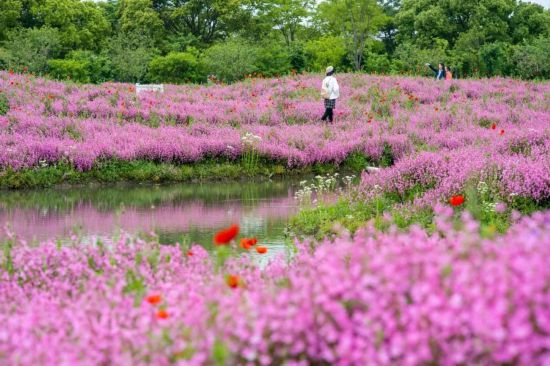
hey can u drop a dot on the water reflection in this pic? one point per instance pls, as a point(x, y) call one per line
point(178, 212)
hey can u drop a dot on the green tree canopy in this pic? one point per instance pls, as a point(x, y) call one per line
point(81, 24)
point(285, 16)
point(356, 21)
point(10, 14)
point(206, 20)
point(139, 17)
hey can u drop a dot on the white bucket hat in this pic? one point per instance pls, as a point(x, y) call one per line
point(330, 69)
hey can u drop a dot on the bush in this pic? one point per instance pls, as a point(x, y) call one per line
point(324, 52)
point(376, 63)
point(69, 70)
point(495, 59)
point(531, 60)
point(4, 104)
point(99, 67)
point(273, 59)
point(5, 59)
point(297, 57)
point(177, 68)
point(232, 60)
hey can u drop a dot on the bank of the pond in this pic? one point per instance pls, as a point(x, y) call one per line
point(207, 170)
point(385, 211)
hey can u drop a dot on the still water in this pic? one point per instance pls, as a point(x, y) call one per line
point(189, 213)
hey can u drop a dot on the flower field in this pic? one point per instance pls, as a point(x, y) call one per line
point(381, 298)
point(49, 122)
point(463, 290)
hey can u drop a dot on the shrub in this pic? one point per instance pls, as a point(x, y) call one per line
point(531, 59)
point(495, 59)
point(4, 104)
point(232, 60)
point(99, 67)
point(377, 63)
point(324, 52)
point(177, 68)
point(273, 59)
point(297, 57)
point(69, 69)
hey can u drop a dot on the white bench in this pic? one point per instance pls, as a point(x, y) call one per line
point(149, 88)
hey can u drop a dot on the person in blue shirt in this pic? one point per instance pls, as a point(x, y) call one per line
point(439, 72)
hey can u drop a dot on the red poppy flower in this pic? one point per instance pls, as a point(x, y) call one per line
point(153, 299)
point(189, 253)
point(245, 243)
point(233, 281)
point(457, 200)
point(261, 250)
point(501, 132)
point(494, 126)
point(224, 236)
point(162, 314)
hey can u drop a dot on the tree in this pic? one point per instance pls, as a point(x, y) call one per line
point(531, 59)
point(529, 21)
point(10, 13)
point(286, 16)
point(496, 58)
point(139, 17)
point(420, 21)
point(81, 25)
point(206, 20)
point(411, 58)
point(130, 55)
point(32, 48)
point(356, 20)
point(388, 30)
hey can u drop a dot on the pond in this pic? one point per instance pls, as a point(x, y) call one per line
point(184, 213)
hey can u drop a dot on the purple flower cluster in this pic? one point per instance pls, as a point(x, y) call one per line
point(512, 168)
point(50, 121)
point(380, 298)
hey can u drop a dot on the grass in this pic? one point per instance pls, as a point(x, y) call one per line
point(387, 209)
point(327, 220)
point(211, 169)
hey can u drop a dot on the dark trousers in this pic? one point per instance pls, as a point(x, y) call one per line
point(328, 114)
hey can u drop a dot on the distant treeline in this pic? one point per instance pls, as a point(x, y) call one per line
point(177, 41)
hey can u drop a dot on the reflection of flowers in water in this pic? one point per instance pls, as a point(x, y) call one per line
point(87, 220)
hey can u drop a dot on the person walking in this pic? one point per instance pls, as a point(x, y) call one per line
point(330, 91)
point(439, 72)
point(448, 73)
